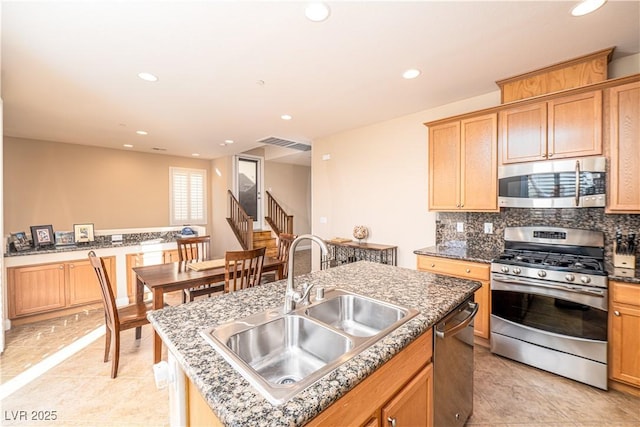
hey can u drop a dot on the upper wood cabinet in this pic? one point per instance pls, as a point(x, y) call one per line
point(569, 126)
point(623, 141)
point(463, 164)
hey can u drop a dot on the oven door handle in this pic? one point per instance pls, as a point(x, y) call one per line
point(570, 288)
point(577, 182)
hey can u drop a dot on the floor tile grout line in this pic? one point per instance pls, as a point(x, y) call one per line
point(24, 378)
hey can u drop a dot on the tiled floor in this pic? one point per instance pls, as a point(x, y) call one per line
point(82, 393)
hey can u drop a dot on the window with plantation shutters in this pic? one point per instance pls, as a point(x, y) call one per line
point(188, 196)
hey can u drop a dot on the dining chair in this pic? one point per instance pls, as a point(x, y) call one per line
point(117, 319)
point(284, 244)
point(196, 249)
point(243, 269)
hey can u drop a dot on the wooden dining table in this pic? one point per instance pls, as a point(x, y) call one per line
point(176, 276)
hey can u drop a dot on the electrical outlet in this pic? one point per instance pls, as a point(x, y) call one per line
point(488, 228)
point(460, 227)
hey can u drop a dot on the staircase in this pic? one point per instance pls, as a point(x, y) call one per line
point(242, 225)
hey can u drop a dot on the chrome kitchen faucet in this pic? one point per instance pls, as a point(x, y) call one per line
point(291, 296)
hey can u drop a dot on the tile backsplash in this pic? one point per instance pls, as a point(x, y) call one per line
point(587, 218)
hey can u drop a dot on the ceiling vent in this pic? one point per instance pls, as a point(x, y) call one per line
point(272, 140)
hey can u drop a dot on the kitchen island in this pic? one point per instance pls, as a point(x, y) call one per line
point(236, 403)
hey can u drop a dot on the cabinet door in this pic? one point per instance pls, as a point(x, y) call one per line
point(523, 133)
point(479, 170)
point(481, 327)
point(444, 166)
point(624, 329)
point(36, 289)
point(412, 405)
point(83, 283)
point(575, 126)
point(171, 256)
point(624, 152)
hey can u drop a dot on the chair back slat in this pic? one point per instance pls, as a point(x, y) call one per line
point(108, 298)
point(243, 269)
point(194, 248)
point(284, 244)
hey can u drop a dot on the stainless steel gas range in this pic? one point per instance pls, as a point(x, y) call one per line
point(549, 301)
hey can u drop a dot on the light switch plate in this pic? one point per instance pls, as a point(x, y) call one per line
point(460, 227)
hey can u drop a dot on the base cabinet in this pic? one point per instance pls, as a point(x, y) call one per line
point(624, 333)
point(466, 270)
point(44, 288)
point(142, 259)
point(401, 389)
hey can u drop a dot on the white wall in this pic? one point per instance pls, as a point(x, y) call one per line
point(377, 177)
point(290, 185)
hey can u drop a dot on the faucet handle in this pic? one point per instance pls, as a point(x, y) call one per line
point(304, 298)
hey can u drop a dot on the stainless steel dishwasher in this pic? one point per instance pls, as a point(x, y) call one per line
point(453, 366)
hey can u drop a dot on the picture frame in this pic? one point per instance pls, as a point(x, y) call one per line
point(42, 236)
point(19, 241)
point(83, 233)
point(65, 238)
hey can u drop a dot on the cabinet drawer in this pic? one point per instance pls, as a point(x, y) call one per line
point(625, 293)
point(451, 267)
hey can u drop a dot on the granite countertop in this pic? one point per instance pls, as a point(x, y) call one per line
point(461, 251)
point(100, 242)
point(236, 403)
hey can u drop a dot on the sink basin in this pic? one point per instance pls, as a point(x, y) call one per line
point(288, 349)
point(282, 354)
point(356, 315)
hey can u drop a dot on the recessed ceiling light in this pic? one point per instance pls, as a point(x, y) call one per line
point(587, 6)
point(195, 154)
point(286, 117)
point(228, 141)
point(127, 145)
point(222, 144)
point(148, 77)
point(142, 132)
point(411, 73)
point(317, 11)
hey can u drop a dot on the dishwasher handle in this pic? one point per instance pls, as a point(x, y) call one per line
point(442, 332)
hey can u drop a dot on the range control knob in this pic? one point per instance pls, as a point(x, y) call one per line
point(542, 273)
point(516, 270)
point(570, 277)
point(504, 269)
point(585, 279)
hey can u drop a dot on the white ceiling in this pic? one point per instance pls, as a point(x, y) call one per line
point(69, 69)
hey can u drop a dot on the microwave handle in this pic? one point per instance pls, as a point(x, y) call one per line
point(577, 182)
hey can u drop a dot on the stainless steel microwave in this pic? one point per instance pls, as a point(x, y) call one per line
point(567, 183)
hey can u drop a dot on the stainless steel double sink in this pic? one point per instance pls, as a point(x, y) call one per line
point(282, 354)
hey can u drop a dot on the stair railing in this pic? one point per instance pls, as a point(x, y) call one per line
point(277, 218)
point(240, 222)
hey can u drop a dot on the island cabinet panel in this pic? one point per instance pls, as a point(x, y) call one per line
point(466, 270)
point(563, 127)
point(47, 288)
point(623, 140)
point(407, 408)
point(624, 333)
point(380, 388)
point(463, 164)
